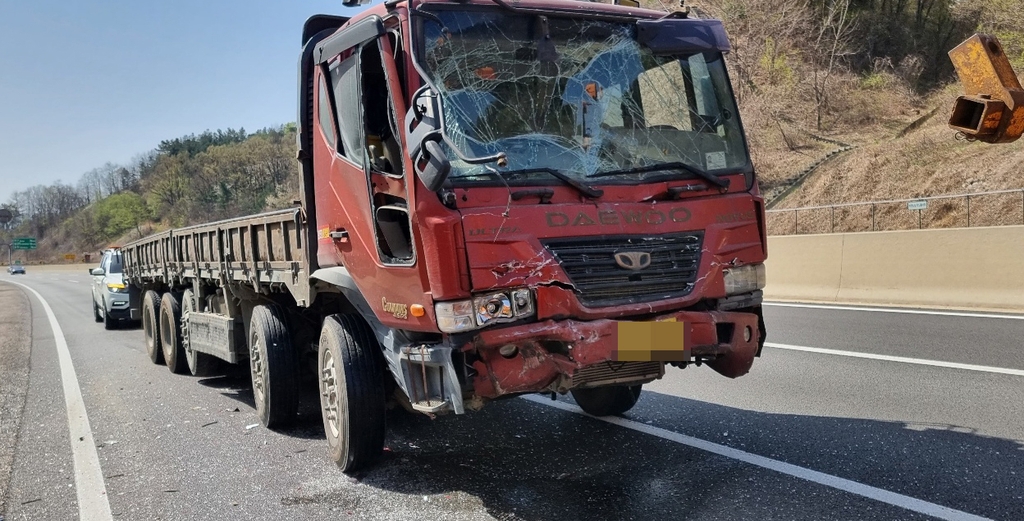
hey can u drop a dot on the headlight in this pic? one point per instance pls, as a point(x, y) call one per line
point(117, 287)
point(494, 308)
point(744, 279)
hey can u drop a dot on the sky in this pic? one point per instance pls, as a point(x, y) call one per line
point(83, 83)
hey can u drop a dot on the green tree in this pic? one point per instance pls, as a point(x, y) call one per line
point(119, 213)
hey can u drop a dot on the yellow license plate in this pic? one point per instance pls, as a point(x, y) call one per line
point(652, 342)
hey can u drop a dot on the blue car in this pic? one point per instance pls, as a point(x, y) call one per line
point(16, 269)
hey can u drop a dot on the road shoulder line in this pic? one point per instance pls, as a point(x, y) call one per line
point(93, 503)
point(898, 359)
point(828, 480)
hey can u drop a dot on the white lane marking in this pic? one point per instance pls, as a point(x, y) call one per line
point(828, 480)
point(900, 359)
point(75, 281)
point(894, 310)
point(92, 492)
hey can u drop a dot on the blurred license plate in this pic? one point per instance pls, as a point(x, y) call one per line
point(652, 342)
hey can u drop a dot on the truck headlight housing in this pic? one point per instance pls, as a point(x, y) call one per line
point(744, 279)
point(484, 310)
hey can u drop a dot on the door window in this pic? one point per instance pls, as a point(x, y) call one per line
point(345, 81)
point(325, 115)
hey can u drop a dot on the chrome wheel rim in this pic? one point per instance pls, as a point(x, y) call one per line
point(329, 394)
point(256, 364)
point(189, 354)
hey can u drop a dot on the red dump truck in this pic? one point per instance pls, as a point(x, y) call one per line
point(497, 198)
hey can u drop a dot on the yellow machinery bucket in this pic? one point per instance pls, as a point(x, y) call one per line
point(992, 109)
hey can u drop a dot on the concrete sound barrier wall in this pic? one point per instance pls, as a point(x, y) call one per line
point(962, 268)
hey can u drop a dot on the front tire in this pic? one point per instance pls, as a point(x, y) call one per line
point(274, 367)
point(151, 326)
point(607, 401)
point(108, 322)
point(199, 364)
point(170, 333)
point(352, 400)
point(96, 312)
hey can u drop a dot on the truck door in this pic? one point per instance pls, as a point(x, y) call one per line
point(363, 203)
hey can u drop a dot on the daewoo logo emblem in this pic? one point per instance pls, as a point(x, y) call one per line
point(633, 260)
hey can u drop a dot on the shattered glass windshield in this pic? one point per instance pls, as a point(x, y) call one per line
point(578, 96)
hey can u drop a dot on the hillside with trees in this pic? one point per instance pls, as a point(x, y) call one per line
point(865, 84)
point(186, 180)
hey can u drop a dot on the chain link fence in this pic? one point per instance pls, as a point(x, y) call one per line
point(999, 208)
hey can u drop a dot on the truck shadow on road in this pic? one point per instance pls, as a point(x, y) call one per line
point(526, 461)
point(236, 383)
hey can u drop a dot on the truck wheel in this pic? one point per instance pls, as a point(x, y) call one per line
point(199, 364)
point(274, 367)
point(96, 312)
point(170, 333)
point(352, 399)
point(607, 401)
point(151, 326)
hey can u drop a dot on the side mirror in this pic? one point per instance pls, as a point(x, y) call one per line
point(97, 272)
point(432, 165)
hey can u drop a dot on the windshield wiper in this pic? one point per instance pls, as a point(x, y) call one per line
point(713, 179)
point(580, 186)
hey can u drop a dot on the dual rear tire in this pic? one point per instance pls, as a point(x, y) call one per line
point(151, 326)
point(163, 325)
point(349, 362)
point(170, 333)
point(274, 367)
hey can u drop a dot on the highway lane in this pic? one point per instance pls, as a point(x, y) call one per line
point(175, 447)
point(997, 342)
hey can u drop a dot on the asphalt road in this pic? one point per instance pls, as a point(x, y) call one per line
point(804, 436)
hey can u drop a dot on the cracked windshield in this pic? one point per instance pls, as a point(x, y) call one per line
point(578, 96)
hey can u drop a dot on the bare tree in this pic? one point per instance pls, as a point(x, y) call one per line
point(764, 34)
point(834, 42)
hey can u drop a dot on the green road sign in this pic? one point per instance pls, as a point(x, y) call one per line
point(24, 243)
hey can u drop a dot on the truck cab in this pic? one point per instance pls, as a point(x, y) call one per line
point(546, 196)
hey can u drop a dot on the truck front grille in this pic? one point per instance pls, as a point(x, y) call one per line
point(601, 280)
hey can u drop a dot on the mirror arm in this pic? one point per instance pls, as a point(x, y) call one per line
point(493, 158)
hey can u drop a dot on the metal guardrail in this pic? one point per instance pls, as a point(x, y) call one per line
point(996, 208)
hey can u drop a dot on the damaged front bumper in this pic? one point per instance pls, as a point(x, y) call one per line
point(559, 355)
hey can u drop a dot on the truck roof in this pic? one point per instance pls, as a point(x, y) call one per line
point(569, 7)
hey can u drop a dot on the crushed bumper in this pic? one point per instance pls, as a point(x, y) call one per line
point(557, 355)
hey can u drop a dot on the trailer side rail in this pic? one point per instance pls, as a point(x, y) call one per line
point(265, 251)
